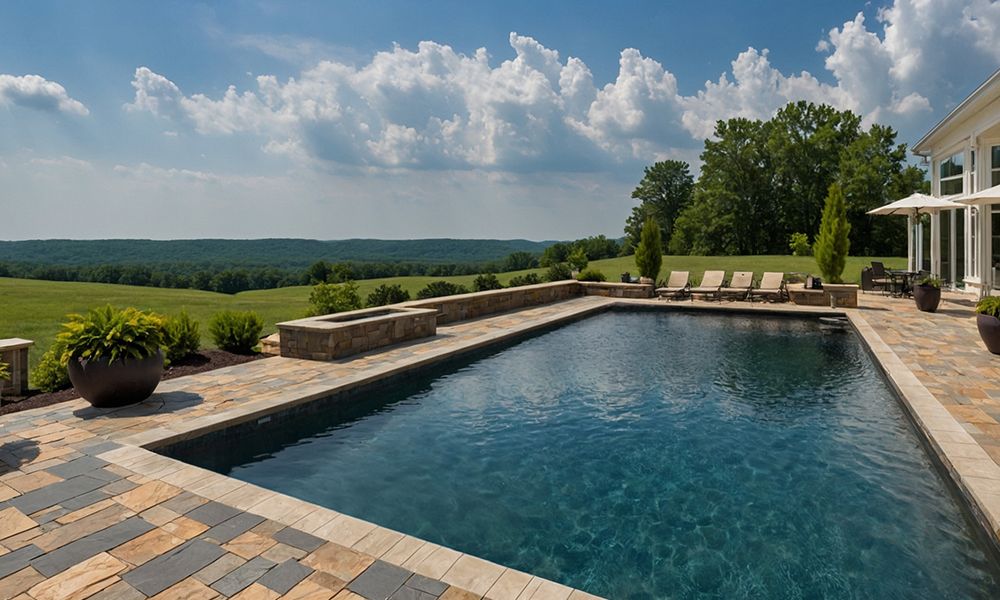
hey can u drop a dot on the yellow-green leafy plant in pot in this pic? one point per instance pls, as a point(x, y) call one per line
point(114, 356)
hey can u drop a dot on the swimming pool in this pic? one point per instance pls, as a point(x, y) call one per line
point(647, 455)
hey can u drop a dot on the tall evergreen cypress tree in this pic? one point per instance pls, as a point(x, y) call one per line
point(832, 244)
point(649, 252)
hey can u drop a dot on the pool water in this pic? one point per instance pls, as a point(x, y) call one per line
point(649, 455)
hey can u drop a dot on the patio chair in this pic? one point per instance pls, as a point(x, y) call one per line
point(677, 286)
point(739, 287)
point(880, 279)
point(772, 287)
point(711, 283)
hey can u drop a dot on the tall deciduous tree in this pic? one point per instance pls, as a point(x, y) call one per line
point(833, 242)
point(873, 172)
point(649, 252)
point(664, 191)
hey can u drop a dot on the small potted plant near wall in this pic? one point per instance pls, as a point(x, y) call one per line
point(988, 321)
point(927, 294)
point(114, 357)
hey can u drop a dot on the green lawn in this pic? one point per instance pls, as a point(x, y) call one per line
point(35, 309)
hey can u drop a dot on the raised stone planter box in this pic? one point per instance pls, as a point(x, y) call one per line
point(14, 352)
point(617, 290)
point(335, 336)
point(845, 295)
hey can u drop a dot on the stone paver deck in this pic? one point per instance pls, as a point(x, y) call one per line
point(88, 511)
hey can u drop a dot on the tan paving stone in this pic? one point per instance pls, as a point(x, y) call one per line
point(7, 492)
point(257, 591)
point(509, 585)
point(147, 495)
point(13, 521)
point(279, 553)
point(158, 515)
point(454, 593)
point(86, 511)
point(345, 530)
point(473, 574)
point(326, 580)
point(343, 563)
point(188, 589)
point(19, 582)
point(438, 562)
point(80, 581)
point(185, 528)
point(308, 590)
point(249, 545)
point(119, 591)
point(146, 547)
point(378, 541)
point(30, 482)
point(348, 595)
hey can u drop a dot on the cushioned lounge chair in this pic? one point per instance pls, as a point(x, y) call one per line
point(772, 287)
point(710, 284)
point(739, 287)
point(677, 286)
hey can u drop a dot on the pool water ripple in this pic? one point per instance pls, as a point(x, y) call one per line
point(649, 455)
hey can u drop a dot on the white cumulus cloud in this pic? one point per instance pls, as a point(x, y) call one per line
point(34, 91)
point(434, 108)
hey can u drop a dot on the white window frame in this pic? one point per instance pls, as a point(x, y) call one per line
point(960, 177)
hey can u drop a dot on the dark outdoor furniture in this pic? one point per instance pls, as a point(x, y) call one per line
point(867, 280)
point(901, 282)
point(880, 277)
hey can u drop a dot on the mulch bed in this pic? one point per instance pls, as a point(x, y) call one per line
point(207, 360)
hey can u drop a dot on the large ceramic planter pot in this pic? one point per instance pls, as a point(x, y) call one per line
point(927, 297)
point(108, 384)
point(989, 330)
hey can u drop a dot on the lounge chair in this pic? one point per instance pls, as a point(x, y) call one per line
point(677, 285)
point(711, 282)
point(772, 287)
point(739, 287)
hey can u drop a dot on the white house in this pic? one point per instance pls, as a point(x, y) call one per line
point(963, 150)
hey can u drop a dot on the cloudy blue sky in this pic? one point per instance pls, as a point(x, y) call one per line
point(426, 119)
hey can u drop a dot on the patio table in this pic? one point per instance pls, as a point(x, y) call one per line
point(900, 282)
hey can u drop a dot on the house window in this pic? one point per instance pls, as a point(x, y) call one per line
point(995, 165)
point(950, 174)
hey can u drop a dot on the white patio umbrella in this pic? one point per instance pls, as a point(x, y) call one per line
point(912, 206)
point(987, 196)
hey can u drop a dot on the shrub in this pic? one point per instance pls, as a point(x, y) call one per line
point(4, 371)
point(236, 331)
point(930, 281)
point(50, 374)
point(799, 243)
point(577, 259)
point(387, 294)
point(487, 281)
point(649, 252)
point(591, 275)
point(558, 272)
point(526, 279)
point(436, 289)
point(990, 305)
point(833, 243)
point(183, 336)
point(327, 298)
point(107, 332)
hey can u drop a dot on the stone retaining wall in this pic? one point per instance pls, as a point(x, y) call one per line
point(14, 352)
point(339, 335)
point(845, 295)
point(461, 307)
point(343, 334)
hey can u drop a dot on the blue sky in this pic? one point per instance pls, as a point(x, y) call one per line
point(426, 119)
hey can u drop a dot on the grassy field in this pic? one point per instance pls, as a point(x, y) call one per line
point(35, 309)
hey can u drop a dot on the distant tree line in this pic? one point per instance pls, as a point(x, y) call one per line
point(231, 280)
point(763, 182)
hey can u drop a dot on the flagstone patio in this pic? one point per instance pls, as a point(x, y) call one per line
point(88, 511)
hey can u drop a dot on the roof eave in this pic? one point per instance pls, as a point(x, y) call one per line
point(921, 148)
